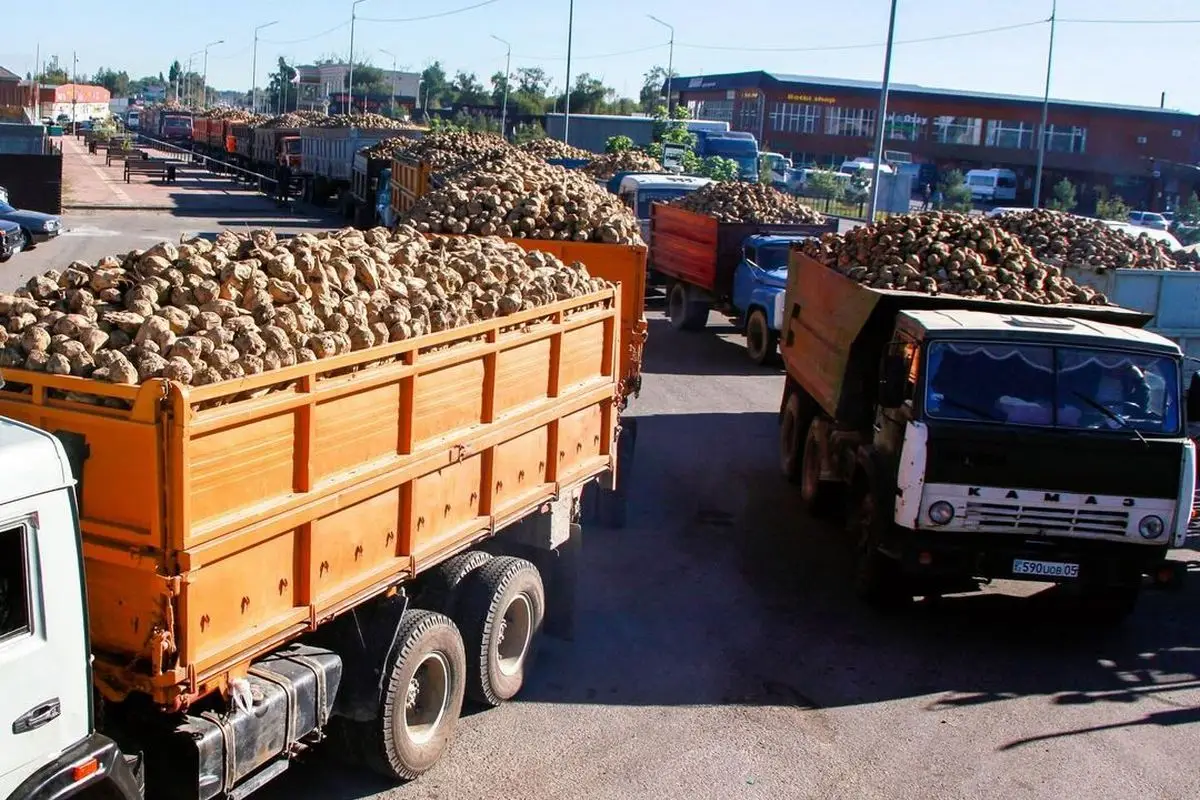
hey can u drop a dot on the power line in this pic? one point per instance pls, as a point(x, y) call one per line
point(825, 48)
point(1133, 21)
point(594, 55)
point(307, 38)
point(431, 16)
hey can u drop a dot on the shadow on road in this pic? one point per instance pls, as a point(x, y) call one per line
point(706, 352)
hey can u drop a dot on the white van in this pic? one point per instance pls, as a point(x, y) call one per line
point(853, 167)
point(639, 190)
point(992, 185)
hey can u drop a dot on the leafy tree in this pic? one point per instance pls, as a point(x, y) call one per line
point(824, 183)
point(1189, 209)
point(764, 172)
point(435, 89)
point(1113, 208)
point(117, 83)
point(500, 82)
point(528, 133)
point(653, 82)
point(468, 90)
point(54, 74)
point(618, 144)
point(719, 168)
point(1063, 196)
point(281, 87)
point(956, 195)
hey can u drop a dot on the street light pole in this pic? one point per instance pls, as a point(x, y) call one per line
point(670, 59)
point(74, 91)
point(567, 104)
point(393, 55)
point(350, 88)
point(187, 93)
point(254, 67)
point(881, 120)
point(507, 70)
point(1041, 154)
point(205, 78)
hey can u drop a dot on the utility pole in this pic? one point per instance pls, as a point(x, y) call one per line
point(74, 91)
point(350, 82)
point(1041, 155)
point(205, 78)
point(393, 55)
point(881, 120)
point(567, 105)
point(507, 70)
point(670, 59)
point(254, 67)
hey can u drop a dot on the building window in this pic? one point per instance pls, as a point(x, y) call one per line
point(850, 122)
point(719, 110)
point(748, 115)
point(905, 127)
point(1011, 135)
point(1065, 138)
point(957, 130)
point(1176, 133)
point(794, 117)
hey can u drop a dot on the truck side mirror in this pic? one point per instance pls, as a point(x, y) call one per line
point(1193, 398)
point(892, 381)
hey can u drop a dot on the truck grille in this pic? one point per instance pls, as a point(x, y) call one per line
point(1013, 517)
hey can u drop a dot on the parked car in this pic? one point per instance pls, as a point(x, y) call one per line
point(34, 225)
point(1148, 219)
point(11, 240)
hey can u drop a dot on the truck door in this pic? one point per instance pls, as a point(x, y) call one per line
point(46, 695)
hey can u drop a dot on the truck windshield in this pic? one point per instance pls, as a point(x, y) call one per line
point(1061, 387)
point(770, 257)
point(647, 196)
point(292, 147)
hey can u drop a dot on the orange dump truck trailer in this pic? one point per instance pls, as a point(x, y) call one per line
point(396, 524)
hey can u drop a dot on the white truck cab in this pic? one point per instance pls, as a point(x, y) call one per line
point(48, 746)
point(639, 190)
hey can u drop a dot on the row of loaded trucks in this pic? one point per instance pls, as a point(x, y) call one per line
point(198, 584)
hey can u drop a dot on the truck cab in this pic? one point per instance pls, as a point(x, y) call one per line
point(780, 166)
point(639, 190)
point(759, 283)
point(289, 152)
point(48, 743)
point(975, 440)
point(738, 146)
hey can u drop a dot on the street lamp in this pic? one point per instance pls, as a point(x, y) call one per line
point(507, 69)
point(1041, 155)
point(187, 79)
point(254, 67)
point(567, 105)
point(393, 55)
point(881, 120)
point(210, 44)
point(74, 91)
point(670, 59)
point(350, 88)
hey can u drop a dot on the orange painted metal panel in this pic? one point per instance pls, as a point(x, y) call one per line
point(232, 503)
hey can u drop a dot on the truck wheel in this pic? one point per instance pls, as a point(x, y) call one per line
point(760, 339)
point(686, 314)
point(439, 590)
point(820, 497)
point(503, 605)
point(422, 697)
point(877, 578)
point(793, 428)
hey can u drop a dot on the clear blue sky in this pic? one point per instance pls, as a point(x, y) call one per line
point(1123, 63)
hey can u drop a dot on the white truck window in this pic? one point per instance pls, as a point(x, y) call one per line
point(14, 584)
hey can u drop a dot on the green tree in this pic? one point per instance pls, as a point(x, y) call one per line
point(281, 88)
point(117, 83)
point(528, 133)
point(653, 84)
point(54, 74)
point(825, 184)
point(956, 195)
point(468, 90)
point(618, 144)
point(1113, 208)
point(435, 90)
point(499, 83)
point(719, 168)
point(1063, 196)
point(1189, 209)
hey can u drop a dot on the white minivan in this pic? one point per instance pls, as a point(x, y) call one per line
point(992, 185)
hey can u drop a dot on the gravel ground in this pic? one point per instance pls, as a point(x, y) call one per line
point(719, 652)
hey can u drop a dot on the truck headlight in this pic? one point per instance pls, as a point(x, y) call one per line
point(941, 512)
point(1151, 527)
point(49, 225)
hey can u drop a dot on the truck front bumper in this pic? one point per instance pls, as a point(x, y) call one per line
point(958, 554)
point(92, 762)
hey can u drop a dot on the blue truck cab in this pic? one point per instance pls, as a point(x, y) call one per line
point(740, 146)
point(383, 198)
point(759, 282)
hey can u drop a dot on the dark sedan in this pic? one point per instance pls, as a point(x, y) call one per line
point(36, 226)
point(12, 240)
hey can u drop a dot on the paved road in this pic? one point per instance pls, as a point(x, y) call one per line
point(719, 653)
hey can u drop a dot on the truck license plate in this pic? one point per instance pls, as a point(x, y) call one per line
point(1045, 569)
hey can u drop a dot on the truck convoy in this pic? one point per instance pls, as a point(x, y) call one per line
point(973, 440)
point(199, 583)
point(327, 162)
point(738, 268)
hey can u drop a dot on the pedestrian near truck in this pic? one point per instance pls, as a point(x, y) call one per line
point(283, 181)
point(926, 197)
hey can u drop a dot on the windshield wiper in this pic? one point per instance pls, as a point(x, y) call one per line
point(977, 412)
point(1108, 412)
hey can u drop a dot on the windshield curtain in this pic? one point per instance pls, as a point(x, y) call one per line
point(1062, 387)
point(648, 196)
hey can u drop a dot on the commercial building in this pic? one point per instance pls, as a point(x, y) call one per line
point(1147, 155)
point(79, 101)
point(325, 85)
point(13, 90)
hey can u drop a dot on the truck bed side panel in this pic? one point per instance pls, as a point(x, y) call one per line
point(248, 518)
point(1171, 296)
point(410, 182)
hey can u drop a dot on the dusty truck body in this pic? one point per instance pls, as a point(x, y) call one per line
point(974, 439)
point(708, 264)
point(411, 180)
point(271, 146)
point(364, 188)
point(269, 569)
point(327, 159)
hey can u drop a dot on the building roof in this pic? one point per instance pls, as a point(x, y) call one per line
point(7, 75)
point(738, 80)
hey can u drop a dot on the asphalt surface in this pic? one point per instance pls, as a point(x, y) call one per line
point(719, 652)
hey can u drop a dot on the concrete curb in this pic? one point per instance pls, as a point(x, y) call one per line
point(115, 207)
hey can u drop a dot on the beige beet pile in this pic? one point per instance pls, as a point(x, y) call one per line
point(357, 120)
point(606, 166)
point(1065, 240)
point(295, 119)
point(547, 148)
point(236, 115)
point(389, 148)
point(947, 253)
point(201, 312)
point(442, 151)
point(738, 201)
point(524, 197)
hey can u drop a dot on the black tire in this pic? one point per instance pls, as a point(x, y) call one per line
point(424, 679)
point(793, 426)
point(685, 313)
point(760, 339)
point(29, 243)
point(503, 606)
point(440, 586)
point(878, 580)
point(820, 498)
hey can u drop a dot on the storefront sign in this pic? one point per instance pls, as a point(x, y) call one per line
point(748, 94)
point(812, 98)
